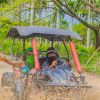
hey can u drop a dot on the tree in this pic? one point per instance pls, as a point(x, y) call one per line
point(3, 1)
point(32, 12)
point(92, 5)
point(68, 7)
point(88, 29)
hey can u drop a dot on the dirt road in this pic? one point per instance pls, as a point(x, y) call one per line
point(93, 80)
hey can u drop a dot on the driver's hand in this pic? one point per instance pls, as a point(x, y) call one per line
point(54, 63)
point(64, 63)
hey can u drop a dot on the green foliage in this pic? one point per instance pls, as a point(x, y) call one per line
point(3, 1)
point(64, 24)
point(82, 30)
point(84, 55)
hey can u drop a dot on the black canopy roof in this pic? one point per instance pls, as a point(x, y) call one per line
point(41, 31)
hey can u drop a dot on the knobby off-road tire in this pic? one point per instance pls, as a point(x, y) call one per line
point(21, 90)
point(19, 87)
point(7, 79)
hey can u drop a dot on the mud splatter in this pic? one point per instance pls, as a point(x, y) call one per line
point(55, 93)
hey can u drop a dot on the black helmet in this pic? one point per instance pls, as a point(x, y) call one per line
point(52, 50)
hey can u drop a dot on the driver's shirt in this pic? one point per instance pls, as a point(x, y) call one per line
point(59, 73)
point(45, 66)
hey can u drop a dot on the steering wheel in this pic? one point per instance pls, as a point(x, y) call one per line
point(67, 61)
point(62, 59)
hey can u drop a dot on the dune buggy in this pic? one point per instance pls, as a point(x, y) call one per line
point(52, 34)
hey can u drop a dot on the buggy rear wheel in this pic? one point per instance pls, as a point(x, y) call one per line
point(18, 89)
point(7, 79)
point(21, 89)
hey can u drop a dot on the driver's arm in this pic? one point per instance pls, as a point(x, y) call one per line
point(54, 63)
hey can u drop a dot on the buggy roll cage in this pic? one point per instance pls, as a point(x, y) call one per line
point(52, 34)
point(52, 42)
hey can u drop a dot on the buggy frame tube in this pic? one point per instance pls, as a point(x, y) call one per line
point(11, 48)
point(66, 49)
point(35, 54)
point(52, 42)
point(75, 56)
point(24, 49)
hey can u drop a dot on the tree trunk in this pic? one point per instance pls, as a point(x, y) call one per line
point(20, 13)
point(32, 12)
point(88, 38)
point(88, 29)
point(97, 34)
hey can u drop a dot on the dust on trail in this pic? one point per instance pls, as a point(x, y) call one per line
point(90, 94)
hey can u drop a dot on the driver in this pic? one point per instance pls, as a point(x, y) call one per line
point(51, 58)
point(54, 67)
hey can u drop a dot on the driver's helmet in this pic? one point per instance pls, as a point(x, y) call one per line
point(28, 50)
point(52, 50)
